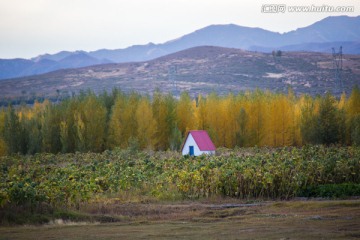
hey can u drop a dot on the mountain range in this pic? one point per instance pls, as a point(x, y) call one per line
point(198, 70)
point(319, 37)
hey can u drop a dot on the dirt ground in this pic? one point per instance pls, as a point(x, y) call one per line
point(301, 219)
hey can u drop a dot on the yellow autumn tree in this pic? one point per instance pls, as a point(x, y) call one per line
point(257, 118)
point(185, 113)
point(242, 120)
point(130, 131)
point(117, 124)
point(297, 139)
point(213, 120)
point(146, 125)
point(164, 110)
point(280, 121)
point(200, 113)
point(229, 108)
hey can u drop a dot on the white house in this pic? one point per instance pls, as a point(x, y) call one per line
point(197, 142)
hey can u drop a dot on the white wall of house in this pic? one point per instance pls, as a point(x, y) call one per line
point(191, 142)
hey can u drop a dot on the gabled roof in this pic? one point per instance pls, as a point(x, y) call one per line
point(202, 139)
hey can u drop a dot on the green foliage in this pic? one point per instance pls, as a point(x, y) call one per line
point(329, 123)
point(324, 126)
point(175, 139)
point(33, 128)
point(332, 190)
point(71, 180)
point(355, 130)
point(13, 133)
point(51, 130)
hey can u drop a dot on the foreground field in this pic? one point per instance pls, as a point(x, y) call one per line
point(129, 194)
point(74, 180)
point(209, 220)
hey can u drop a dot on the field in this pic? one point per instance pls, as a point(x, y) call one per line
point(338, 219)
point(274, 193)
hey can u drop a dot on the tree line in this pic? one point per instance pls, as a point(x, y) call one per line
point(93, 123)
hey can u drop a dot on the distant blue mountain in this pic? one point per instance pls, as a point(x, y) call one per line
point(12, 68)
point(318, 37)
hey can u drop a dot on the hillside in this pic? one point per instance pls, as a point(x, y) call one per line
point(318, 37)
point(197, 70)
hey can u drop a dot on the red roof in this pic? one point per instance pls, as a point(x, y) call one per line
point(203, 140)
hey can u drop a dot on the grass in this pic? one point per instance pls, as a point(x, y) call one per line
point(24, 216)
point(205, 220)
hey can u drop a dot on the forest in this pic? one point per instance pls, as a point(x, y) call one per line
point(93, 123)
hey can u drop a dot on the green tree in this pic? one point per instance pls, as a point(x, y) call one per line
point(176, 139)
point(353, 117)
point(355, 130)
point(3, 147)
point(14, 134)
point(164, 110)
point(51, 130)
point(329, 121)
point(33, 128)
point(242, 133)
point(68, 135)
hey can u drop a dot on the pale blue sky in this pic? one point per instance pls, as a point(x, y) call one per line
point(32, 27)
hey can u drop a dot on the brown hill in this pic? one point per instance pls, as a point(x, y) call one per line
point(198, 70)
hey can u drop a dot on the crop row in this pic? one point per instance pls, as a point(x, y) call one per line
point(69, 180)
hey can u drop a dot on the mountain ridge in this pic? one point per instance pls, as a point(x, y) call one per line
point(198, 70)
point(311, 38)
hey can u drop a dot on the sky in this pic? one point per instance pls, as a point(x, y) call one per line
point(32, 27)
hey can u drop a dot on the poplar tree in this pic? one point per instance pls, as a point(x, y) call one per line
point(328, 129)
point(185, 113)
point(3, 147)
point(14, 136)
point(146, 125)
point(352, 109)
point(50, 130)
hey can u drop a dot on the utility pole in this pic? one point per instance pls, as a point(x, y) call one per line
point(337, 65)
point(172, 71)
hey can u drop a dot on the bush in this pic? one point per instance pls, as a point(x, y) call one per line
point(332, 190)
